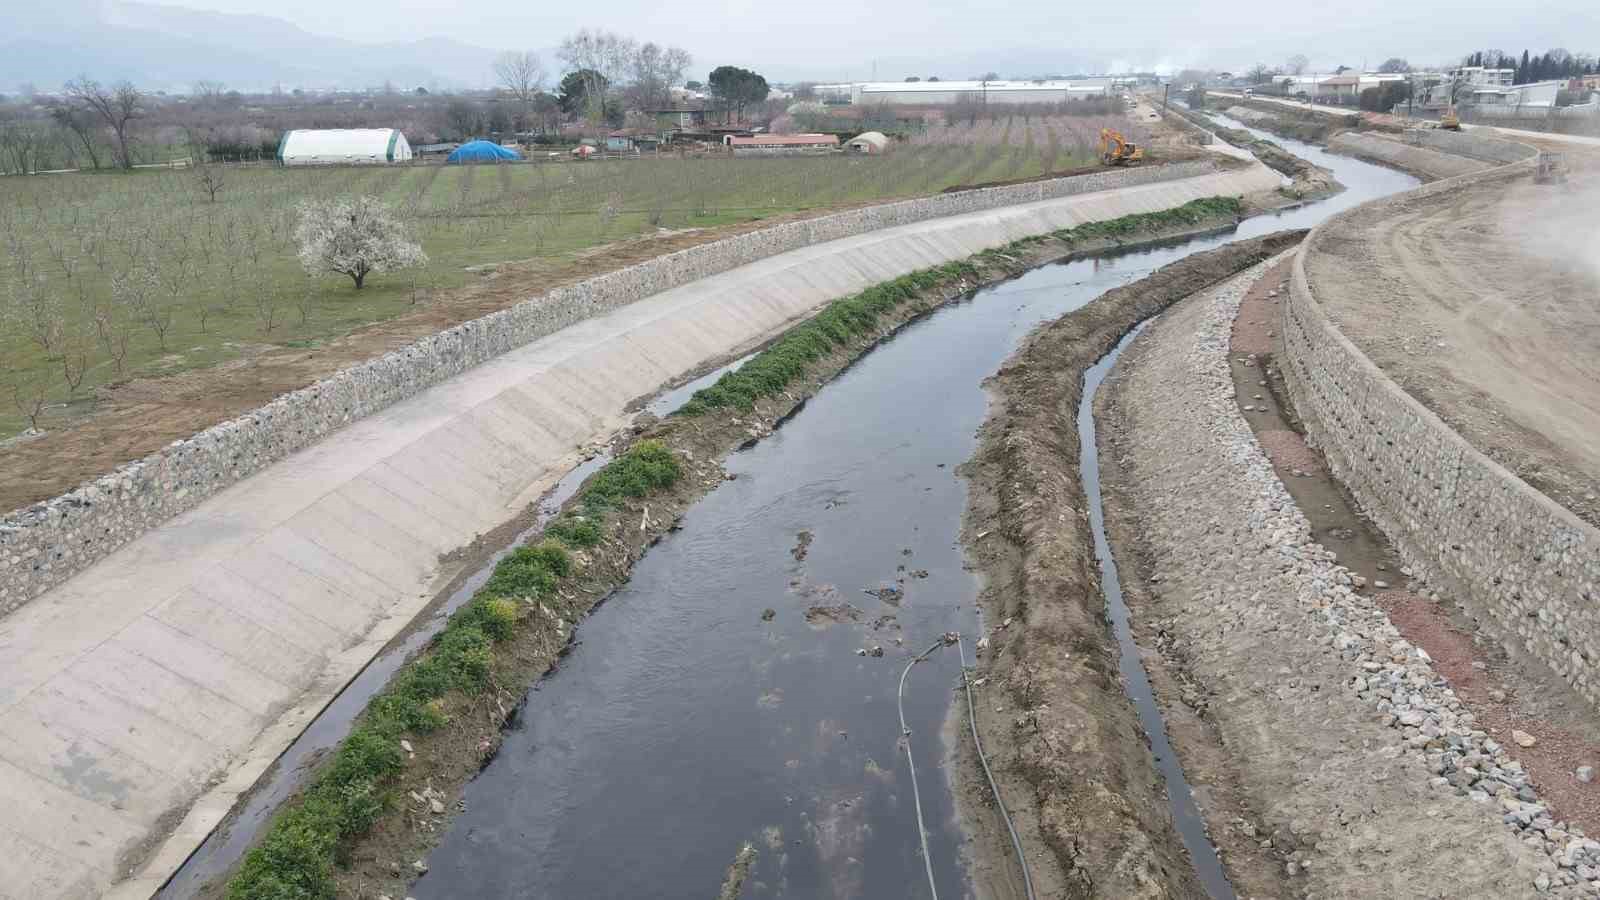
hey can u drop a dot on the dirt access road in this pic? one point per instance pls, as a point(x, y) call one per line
point(1481, 303)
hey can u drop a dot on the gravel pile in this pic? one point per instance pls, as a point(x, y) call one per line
point(1367, 772)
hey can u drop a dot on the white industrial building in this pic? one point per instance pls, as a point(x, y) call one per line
point(1537, 94)
point(343, 146)
point(941, 93)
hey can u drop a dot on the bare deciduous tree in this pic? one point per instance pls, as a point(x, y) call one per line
point(602, 57)
point(207, 93)
point(28, 396)
point(139, 291)
point(210, 178)
point(654, 70)
point(519, 74)
point(22, 145)
point(117, 106)
point(354, 237)
point(113, 329)
point(1296, 64)
point(74, 359)
point(34, 309)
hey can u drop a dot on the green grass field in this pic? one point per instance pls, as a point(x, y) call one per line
point(224, 280)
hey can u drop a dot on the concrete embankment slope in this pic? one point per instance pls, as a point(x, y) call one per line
point(181, 664)
point(1418, 160)
point(1523, 565)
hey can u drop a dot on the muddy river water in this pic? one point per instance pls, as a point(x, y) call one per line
point(687, 723)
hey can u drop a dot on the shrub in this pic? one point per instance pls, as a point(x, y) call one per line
point(839, 323)
point(497, 616)
point(575, 531)
point(529, 571)
point(646, 466)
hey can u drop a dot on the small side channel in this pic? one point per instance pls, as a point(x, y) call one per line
point(1185, 814)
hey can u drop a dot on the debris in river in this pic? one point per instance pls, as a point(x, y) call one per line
point(800, 549)
point(738, 871)
point(890, 594)
point(768, 614)
point(823, 616)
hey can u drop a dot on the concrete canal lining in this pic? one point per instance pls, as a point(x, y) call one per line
point(158, 684)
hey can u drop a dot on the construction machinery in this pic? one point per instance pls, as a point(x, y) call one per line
point(1115, 150)
point(1450, 121)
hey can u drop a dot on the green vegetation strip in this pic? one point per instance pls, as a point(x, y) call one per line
point(295, 860)
point(842, 321)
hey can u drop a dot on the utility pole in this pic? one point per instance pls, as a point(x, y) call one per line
point(1165, 91)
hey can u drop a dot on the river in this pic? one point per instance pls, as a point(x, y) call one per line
point(685, 724)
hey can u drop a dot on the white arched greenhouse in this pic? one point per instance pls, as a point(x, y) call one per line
point(336, 146)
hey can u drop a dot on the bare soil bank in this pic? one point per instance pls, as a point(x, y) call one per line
point(1061, 735)
point(385, 861)
point(1310, 182)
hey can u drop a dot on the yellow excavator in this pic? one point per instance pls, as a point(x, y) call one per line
point(1450, 121)
point(1115, 150)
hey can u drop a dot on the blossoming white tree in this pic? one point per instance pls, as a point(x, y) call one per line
point(354, 237)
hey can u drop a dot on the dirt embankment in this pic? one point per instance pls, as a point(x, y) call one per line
point(1310, 182)
point(1307, 125)
point(1061, 735)
point(443, 761)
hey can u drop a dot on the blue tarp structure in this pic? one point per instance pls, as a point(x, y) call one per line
point(481, 151)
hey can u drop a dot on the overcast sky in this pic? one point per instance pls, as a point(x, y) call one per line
point(842, 38)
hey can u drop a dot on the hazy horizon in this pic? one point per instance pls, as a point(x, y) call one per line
point(847, 41)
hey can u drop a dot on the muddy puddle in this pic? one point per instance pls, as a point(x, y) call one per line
point(688, 722)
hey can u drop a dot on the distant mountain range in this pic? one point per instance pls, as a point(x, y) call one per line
point(171, 47)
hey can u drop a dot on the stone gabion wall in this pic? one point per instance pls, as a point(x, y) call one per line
point(46, 543)
point(1424, 162)
point(1524, 566)
point(1465, 143)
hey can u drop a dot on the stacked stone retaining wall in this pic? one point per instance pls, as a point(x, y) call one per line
point(1524, 566)
point(1473, 144)
point(44, 544)
point(1420, 161)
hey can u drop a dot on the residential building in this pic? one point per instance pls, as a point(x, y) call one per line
point(1539, 94)
point(1338, 86)
point(679, 119)
point(1477, 75)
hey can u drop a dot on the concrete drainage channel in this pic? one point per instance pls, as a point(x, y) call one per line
point(231, 840)
point(686, 725)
